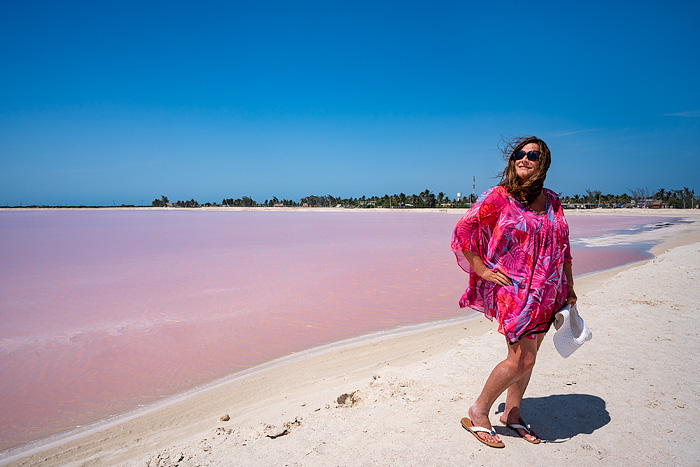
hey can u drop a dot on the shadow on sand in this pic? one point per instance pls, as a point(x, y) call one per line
point(557, 418)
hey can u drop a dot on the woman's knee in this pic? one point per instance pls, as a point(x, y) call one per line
point(518, 367)
point(522, 358)
point(515, 368)
point(527, 361)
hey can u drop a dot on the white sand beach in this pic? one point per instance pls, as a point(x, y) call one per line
point(631, 395)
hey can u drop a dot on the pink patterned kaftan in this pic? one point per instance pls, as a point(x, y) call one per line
point(528, 247)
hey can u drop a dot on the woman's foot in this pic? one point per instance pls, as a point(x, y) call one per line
point(482, 420)
point(518, 425)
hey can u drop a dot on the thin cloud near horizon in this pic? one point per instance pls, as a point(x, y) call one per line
point(688, 114)
point(571, 133)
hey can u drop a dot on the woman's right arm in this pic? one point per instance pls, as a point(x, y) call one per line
point(480, 268)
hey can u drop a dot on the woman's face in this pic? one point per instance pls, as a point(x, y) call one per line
point(525, 168)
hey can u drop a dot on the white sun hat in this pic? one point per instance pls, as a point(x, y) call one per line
point(571, 333)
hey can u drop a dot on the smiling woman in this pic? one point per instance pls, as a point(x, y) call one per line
point(514, 244)
point(528, 162)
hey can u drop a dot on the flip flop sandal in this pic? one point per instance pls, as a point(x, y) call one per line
point(517, 426)
point(469, 426)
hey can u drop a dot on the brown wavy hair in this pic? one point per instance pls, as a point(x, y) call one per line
point(529, 191)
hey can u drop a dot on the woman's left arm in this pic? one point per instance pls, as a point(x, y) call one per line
point(570, 294)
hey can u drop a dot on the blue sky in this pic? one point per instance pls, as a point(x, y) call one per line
point(120, 102)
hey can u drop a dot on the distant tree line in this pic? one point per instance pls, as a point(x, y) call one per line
point(160, 203)
point(426, 199)
point(165, 202)
point(684, 198)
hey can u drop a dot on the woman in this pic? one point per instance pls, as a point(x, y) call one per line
point(514, 244)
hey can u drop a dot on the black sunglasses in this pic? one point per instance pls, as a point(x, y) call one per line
point(534, 156)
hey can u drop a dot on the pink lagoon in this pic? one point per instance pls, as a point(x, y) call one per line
point(102, 311)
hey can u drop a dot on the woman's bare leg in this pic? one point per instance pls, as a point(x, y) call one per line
point(514, 398)
point(516, 367)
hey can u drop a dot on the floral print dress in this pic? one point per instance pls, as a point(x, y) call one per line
point(528, 247)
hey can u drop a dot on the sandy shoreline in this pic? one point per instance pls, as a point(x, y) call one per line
point(411, 387)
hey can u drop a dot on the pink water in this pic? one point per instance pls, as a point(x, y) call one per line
point(102, 311)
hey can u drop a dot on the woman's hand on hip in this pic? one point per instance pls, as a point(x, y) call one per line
point(481, 269)
point(497, 277)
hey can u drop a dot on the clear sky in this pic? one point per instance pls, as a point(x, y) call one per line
point(121, 102)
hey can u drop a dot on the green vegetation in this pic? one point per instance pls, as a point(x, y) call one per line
point(663, 198)
point(160, 203)
point(679, 199)
point(165, 202)
point(684, 198)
